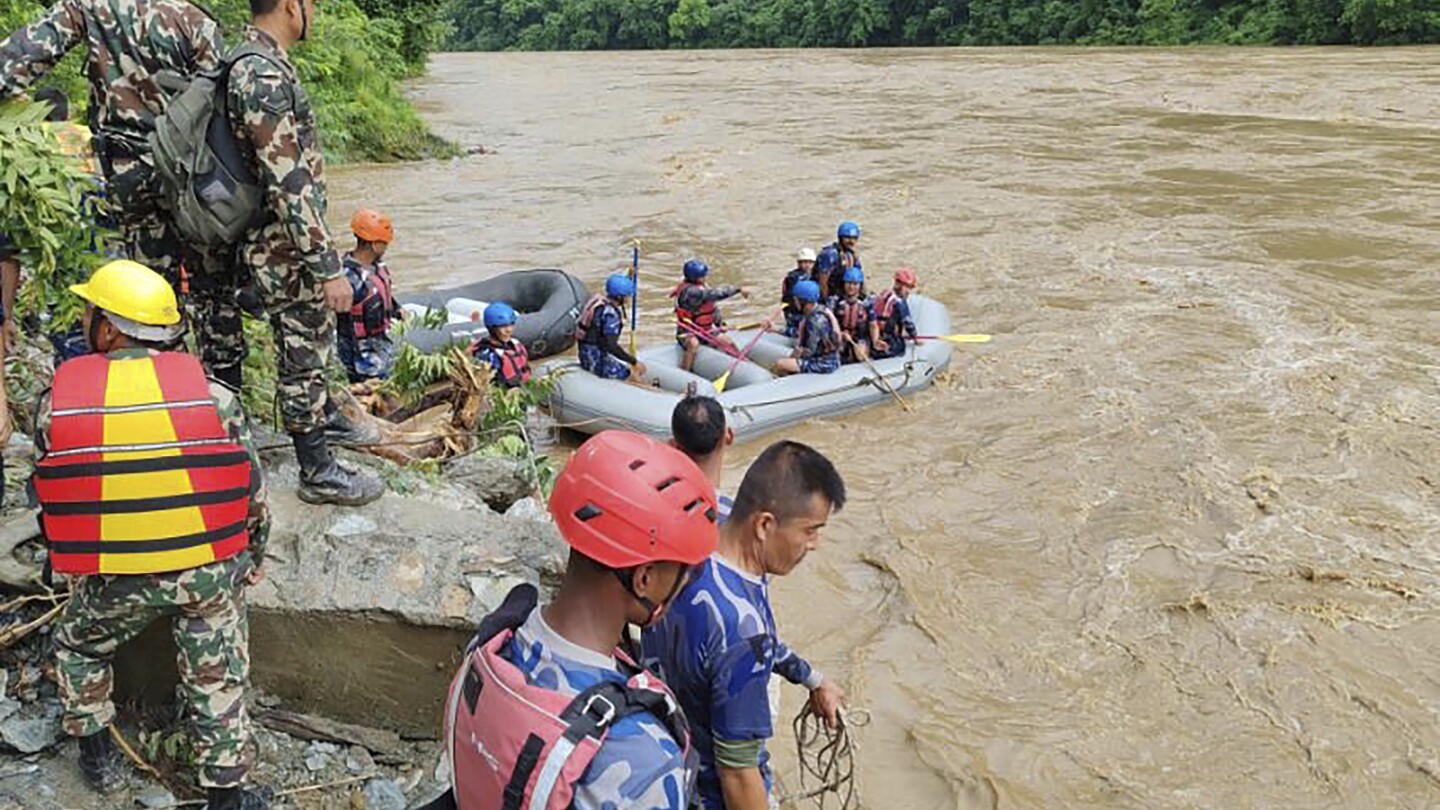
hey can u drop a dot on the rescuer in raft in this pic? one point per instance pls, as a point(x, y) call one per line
point(891, 322)
point(697, 318)
point(507, 358)
point(598, 329)
point(804, 271)
point(853, 314)
point(151, 499)
point(817, 342)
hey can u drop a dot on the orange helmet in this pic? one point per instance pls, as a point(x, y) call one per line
point(372, 226)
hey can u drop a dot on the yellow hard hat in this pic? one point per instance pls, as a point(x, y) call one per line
point(131, 290)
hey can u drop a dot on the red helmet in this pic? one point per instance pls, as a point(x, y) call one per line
point(907, 277)
point(372, 226)
point(626, 500)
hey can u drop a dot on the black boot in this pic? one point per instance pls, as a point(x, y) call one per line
point(341, 430)
point(232, 376)
point(101, 763)
point(322, 480)
point(235, 798)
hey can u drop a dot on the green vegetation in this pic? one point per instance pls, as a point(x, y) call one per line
point(352, 66)
point(641, 24)
point(45, 211)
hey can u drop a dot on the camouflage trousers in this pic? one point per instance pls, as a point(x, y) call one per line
point(305, 339)
point(210, 304)
point(206, 607)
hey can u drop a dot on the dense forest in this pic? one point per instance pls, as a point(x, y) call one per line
point(641, 24)
point(352, 66)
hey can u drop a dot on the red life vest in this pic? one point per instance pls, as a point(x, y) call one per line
point(140, 476)
point(828, 345)
point(885, 305)
point(514, 368)
point(706, 318)
point(854, 317)
point(511, 744)
point(583, 331)
point(370, 316)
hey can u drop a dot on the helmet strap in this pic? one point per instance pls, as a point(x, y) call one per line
point(627, 580)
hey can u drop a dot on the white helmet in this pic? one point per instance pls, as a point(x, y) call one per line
point(805, 255)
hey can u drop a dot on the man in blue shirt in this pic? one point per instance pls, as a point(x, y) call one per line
point(698, 429)
point(717, 646)
point(837, 257)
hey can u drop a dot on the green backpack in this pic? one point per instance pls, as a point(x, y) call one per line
point(210, 187)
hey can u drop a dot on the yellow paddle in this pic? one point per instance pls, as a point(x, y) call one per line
point(956, 338)
point(724, 378)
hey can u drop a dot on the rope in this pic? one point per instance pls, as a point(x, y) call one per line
point(827, 759)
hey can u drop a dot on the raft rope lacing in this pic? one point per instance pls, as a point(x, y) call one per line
point(826, 759)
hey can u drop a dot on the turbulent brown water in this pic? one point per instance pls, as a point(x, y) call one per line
point(1172, 539)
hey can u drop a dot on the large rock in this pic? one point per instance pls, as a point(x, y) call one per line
point(497, 480)
point(363, 612)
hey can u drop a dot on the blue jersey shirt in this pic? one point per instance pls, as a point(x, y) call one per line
point(639, 766)
point(716, 647)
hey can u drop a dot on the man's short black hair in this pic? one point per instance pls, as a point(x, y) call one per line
point(58, 101)
point(698, 425)
point(259, 7)
point(784, 479)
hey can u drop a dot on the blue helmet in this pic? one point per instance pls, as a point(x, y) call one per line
point(807, 291)
point(696, 269)
point(854, 274)
point(500, 314)
point(619, 285)
point(848, 230)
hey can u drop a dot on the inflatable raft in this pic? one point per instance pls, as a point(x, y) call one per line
point(756, 402)
point(548, 301)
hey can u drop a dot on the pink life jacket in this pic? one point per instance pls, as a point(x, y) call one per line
point(828, 345)
point(585, 323)
point(514, 745)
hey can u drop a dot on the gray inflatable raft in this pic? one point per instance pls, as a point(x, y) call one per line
point(548, 301)
point(756, 402)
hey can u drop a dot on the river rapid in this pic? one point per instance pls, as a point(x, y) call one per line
point(1172, 540)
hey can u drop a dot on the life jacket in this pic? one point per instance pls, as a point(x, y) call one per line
point(829, 344)
point(511, 744)
point(514, 359)
point(586, 330)
point(886, 311)
point(140, 476)
point(370, 316)
point(705, 319)
point(853, 316)
point(787, 288)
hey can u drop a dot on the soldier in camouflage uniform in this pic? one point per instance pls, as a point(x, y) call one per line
point(296, 269)
point(134, 46)
point(206, 603)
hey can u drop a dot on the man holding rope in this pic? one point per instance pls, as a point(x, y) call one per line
point(718, 645)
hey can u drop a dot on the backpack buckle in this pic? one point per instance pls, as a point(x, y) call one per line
point(602, 719)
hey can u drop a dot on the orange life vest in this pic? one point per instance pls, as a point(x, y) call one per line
point(854, 317)
point(140, 476)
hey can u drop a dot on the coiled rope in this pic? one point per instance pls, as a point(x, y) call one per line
point(826, 759)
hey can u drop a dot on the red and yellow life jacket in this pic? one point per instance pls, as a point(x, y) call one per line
point(140, 476)
point(705, 318)
point(586, 330)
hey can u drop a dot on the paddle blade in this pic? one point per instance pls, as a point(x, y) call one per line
point(720, 382)
point(962, 338)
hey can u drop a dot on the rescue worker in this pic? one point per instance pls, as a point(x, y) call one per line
point(363, 333)
point(804, 271)
point(151, 498)
point(837, 257)
point(598, 329)
point(817, 341)
point(698, 429)
point(697, 318)
point(296, 271)
point(132, 47)
point(507, 358)
point(637, 515)
point(717, 646)
point(891, 322)
point(852, 313)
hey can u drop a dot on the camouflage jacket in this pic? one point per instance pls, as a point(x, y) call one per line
point(232, 418)
point(275, 124)
point(131, 44)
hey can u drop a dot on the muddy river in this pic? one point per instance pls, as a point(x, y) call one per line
point(1172, 540)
